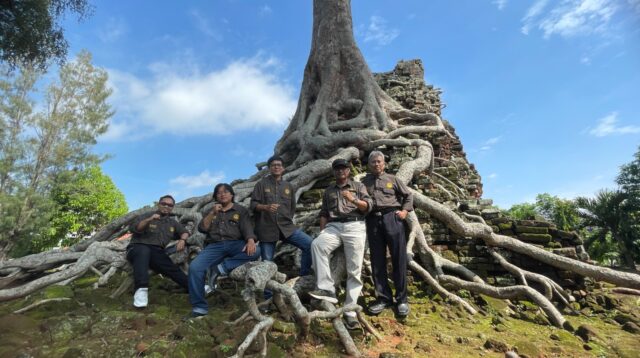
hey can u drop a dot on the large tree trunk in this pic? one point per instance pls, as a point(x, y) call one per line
point(338, 91)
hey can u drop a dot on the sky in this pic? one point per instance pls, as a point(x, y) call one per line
point(544, 94)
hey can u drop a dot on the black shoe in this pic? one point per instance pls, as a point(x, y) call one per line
point(351, 322)
point(324, 295)
point(192, 315)
point(378, 306)
point(403, 309)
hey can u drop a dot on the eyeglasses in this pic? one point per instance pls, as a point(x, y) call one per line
point(169, 205)
point(275, 165)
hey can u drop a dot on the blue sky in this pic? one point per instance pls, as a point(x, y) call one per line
point(544, 94)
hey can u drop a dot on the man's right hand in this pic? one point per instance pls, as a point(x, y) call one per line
point(156, 216)
point(217, 208)
point(273, 208)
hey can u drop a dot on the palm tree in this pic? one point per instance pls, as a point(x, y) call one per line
point(608, 214)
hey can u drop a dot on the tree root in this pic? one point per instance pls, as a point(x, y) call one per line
point(549, 309)
point(39, 303)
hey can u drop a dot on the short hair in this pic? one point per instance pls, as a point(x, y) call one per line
point(375, 154)
point(226, 186)
point(167, 196)
point(275, 158)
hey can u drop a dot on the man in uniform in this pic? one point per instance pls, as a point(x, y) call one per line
point(151, 234)
point(273, 202)
point(392, 201)
point(344, 206)
point(229, 243)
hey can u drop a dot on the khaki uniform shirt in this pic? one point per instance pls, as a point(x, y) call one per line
point(159, 232)
point(388, 192)
point(336, 207)
point(233, 224)
point(269, 225)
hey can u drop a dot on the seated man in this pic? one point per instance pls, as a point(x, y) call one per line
point(344, 206)
point(229, 243)
point(151, 234)
point(273, 202)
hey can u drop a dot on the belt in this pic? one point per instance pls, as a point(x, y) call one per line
point(383, 212)
point(346, 220)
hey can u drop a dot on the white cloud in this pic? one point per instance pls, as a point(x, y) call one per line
point(585, 60)
point(532, 13)
point(570, 17)
point(608, 126)
point(266, 10)
point(500, 3)
point(492, 141)
point(114, 29)
point(204, 26)
point(378, 32)
point(244, 95)
point(202, 180)
point(492, 176)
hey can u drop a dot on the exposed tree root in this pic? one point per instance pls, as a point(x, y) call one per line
point(40, 303)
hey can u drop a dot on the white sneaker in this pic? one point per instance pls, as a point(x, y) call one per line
point(210, 289)
point(141, 297)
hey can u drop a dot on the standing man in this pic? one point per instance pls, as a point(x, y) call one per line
point(392, 201)
point(229, 243)
point(344, 206)
point(151, 234)
point(273, 202)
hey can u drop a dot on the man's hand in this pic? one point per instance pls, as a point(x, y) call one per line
point(250, 247)
point(155, 216)
point(402, 214)
point(272, 208)
point(217, 208)
point(180, 245)
point(348, 195)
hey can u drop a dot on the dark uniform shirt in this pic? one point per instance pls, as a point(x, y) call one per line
point(269, 225)
point(388, 192)
point(233, 224)
point(336, 207)
point(159, 232)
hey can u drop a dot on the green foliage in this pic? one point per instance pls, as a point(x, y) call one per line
point(38, 146)
point(610, 220)
point(84, 200)
point(524, 211)
point(29, 30)
point(562, 212)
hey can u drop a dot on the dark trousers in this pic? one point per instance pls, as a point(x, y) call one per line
point(382, 232)
point(144, 257)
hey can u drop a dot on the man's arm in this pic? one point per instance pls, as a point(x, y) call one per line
point(205, 223)
point(141, 226)
point(323, 222)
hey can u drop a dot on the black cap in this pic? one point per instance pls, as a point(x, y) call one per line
point(339, 163)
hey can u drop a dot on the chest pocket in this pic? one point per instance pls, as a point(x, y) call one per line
point(153, 228)
point(388, 192)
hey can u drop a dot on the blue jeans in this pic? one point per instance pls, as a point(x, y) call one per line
point(227, 255)
point(298, 239)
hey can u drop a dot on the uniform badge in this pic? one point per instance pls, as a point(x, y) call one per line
point(287, 191)
point(152, 226)
point(172, 229)
point(267, 190)
point(235, 217)
point(389, 185)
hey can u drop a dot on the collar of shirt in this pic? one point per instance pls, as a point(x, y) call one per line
point(349, 184)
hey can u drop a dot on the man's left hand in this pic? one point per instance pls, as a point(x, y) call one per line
point(402, 214)
point(180, 245)
point(250, 247)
